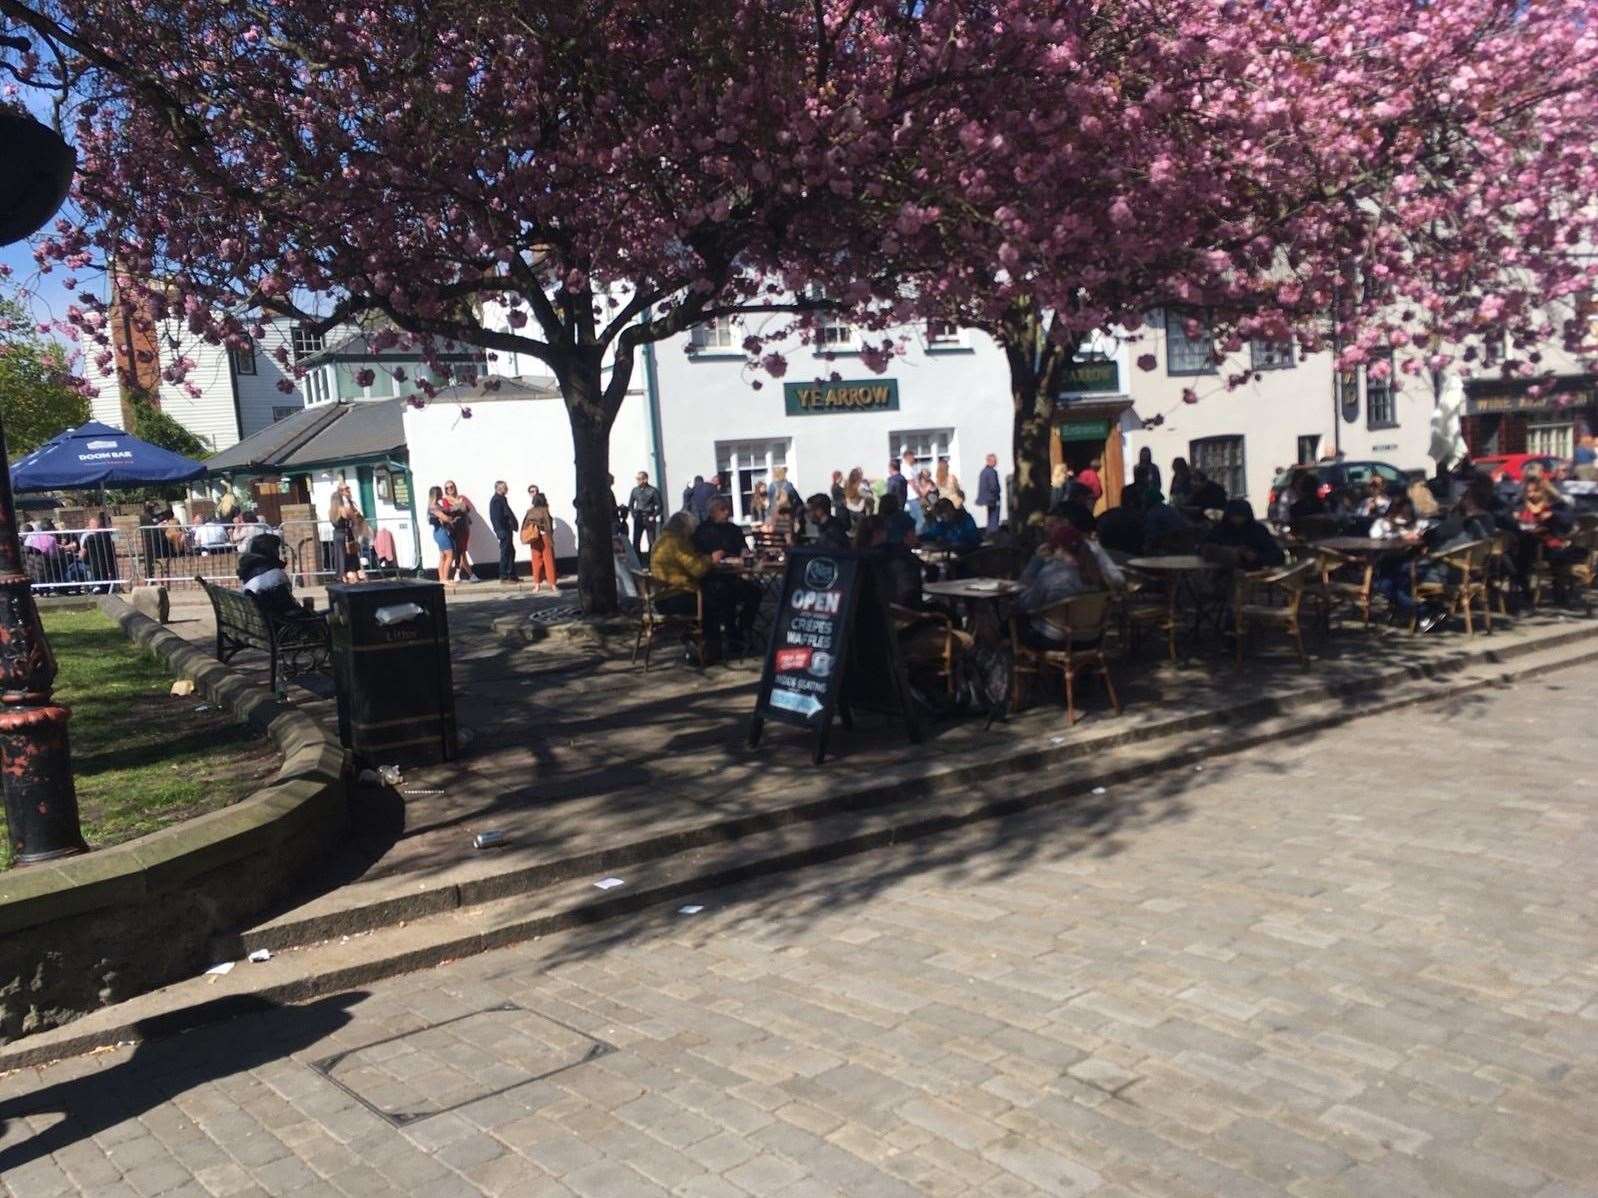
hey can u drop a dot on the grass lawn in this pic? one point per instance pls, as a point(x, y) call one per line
point(143, 758)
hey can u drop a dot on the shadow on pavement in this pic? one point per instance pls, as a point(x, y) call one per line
point(241, 1033)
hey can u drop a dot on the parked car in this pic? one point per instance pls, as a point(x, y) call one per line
point(1341, 476)
point(1512, 466)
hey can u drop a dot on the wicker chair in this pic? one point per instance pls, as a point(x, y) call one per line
point(1082, 619)
point(1290, 582)
point(1500, 574)
point(651, 620)
point(935, 646)
point(1574, 575)
point(1459, 586)
point(1147, 604)
point(1347, 580)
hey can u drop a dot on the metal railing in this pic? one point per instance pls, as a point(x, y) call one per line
point(98, 561)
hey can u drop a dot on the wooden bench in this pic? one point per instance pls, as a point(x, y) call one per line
point(300, 643)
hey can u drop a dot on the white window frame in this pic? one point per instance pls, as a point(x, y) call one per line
point(303, 343)
point(752, 460)
point(284, 411)
point(943, 335)
point(928, 444)
point(718, 336)
point(1551, 438)
point(315, 386)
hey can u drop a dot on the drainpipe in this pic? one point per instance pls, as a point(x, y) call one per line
point(657, 452)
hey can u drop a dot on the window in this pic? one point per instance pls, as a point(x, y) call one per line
point(243, 359)
point(1221, 458)
point(1309, 448)
point(1552, 440)
point(742, 464)
point(1271, 355)
point(283, 413)
point(928, 445)
point(315, 386)
point(714, 334)
point(1381, 405)
point(944, 334)
point(303, 342)
point(1186, 355)
point(349, 387)
point(833, 332)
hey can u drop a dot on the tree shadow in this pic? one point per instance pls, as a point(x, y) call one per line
point(166, 1064)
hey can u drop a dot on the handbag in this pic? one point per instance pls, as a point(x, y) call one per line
point(532, 535)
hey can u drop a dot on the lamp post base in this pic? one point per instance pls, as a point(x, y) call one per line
point(40, 800)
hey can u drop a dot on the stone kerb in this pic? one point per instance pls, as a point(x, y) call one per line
point(87, 931)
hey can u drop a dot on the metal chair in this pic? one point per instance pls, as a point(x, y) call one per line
point(651, 620)
point(1346, 580)
point(1081, 622)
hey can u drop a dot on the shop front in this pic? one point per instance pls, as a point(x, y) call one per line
point(1090, 412)
point(1504, 417)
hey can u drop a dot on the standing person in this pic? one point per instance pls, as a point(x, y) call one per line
point(503, 521)
point(857, 497)
point(538, 534)
point(646, 507)
point(1146, 474)
point(704, 491)
point(782, 489)
point(1181, 483)
point(1090, 479)
point(759, 503)
point(946, 480)
point(460, 529)
point(438, 519)
point(1059, 487)
point(348, 525)
point(908, 466)
point(988, 494)
point(897, 484)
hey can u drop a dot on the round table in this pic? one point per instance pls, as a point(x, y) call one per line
point(1364, 545)
point(1171, 563)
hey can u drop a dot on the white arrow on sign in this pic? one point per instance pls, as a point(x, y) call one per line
point(805, 705)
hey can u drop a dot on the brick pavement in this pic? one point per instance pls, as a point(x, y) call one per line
point(1359, 964)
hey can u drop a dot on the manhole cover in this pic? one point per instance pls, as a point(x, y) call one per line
point(553, 615)
point(447, 1065)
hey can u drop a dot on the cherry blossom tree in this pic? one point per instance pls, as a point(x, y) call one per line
point(566, 181)
point(1369, 176)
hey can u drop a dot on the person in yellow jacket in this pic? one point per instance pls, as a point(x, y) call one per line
point(681, 569)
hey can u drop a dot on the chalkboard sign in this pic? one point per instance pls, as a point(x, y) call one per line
point(832, 647)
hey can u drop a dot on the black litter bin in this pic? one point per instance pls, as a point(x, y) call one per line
point(396, 704)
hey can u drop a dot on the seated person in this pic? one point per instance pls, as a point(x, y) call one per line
point(1077, 509)
point(211, 536)
point(1120, 529)
point(1165, 530)
point(1066, 564)
point(952, 527)
point(1306, 498)
point(1208, 495)
point(265, 577)
point(97, 553)
point(901, 529)
point(718, 534)
point(826, 530)
point(1240, 541)
point(924, 640)
point(899, 570)
point(730, 604)
point(1375, 501)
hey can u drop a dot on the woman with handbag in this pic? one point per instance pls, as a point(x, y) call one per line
point(348, 525)
point(538, 534)
point(438, 520)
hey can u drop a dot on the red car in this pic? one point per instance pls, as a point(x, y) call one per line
point(1512, 466)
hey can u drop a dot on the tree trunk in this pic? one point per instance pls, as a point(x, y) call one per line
point(1035, 360)
point(581, 387)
